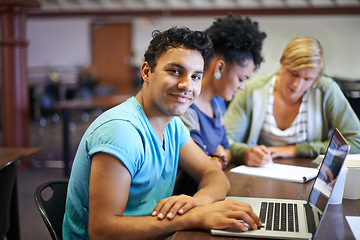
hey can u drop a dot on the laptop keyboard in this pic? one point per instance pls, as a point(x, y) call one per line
point(279, 216)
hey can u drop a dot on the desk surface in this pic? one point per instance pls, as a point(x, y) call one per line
point(248, 186)
point(102, 102)
point(8, 154)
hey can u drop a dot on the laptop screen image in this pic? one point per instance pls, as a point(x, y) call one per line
point(327, 176)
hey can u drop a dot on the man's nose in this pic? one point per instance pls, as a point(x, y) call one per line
point(185, 84)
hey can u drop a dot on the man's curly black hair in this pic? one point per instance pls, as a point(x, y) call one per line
point(237, 39)
point(175, 37)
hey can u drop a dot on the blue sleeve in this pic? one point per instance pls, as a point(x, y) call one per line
point(221, 106)
point(120, 139)
point(225, 142)
point(221, 103)
point(195, 135)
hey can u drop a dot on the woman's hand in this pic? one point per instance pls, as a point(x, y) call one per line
point(257, 156)
point(283, 151)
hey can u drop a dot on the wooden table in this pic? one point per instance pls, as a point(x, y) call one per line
point(335, 225)
point(8, 154)
point(103, 102)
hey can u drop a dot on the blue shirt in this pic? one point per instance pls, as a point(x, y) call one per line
point(207, 132)
point(125, 132)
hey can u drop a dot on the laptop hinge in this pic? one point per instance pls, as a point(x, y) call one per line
point(310, 218)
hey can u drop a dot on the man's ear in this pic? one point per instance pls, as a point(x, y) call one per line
point(145, 71)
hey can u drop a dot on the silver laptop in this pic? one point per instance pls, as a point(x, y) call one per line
point(297, 219)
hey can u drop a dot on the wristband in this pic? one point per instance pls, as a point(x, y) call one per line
point(221, 160)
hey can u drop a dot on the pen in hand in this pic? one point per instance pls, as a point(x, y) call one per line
point(264, 151)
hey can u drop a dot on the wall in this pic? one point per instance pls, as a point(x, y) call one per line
point(58, 41)
point(339, 36)
point(64, 41)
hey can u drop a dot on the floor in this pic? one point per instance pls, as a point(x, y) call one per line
point(45, 166)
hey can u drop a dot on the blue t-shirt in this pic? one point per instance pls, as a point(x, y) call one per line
point(125, 132)
point(207, 132)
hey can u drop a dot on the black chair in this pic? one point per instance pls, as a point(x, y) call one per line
point(351, 89)
point(7, 181)
point(52, 208)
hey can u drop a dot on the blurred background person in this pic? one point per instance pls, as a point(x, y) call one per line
point(51, 93)
point(88, 82)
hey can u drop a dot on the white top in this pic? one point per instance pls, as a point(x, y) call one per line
point(271, 135)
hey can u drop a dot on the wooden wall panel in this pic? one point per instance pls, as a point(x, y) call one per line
point(112, 55)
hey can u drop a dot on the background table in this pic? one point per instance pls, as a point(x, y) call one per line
point(334, 226)
point(7, 155)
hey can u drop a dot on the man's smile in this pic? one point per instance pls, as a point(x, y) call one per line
point(182, 97)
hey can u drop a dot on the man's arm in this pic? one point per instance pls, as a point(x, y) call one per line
point(108, 195)
point(213, 183)
point(109, 190)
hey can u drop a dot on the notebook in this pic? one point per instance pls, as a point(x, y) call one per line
point(297, 219)
point(277, 171)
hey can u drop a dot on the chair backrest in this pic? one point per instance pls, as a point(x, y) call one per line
point(52, 208)
point(7, 180)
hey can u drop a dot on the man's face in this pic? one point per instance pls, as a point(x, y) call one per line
point(175, 81)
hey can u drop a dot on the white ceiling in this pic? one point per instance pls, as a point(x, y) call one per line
point(121, 5)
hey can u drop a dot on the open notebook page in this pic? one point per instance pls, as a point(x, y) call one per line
point(279, 172)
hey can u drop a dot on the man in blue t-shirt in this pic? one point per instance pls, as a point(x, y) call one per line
point(124, 170)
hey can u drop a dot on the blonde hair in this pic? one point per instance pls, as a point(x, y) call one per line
point(302, 52)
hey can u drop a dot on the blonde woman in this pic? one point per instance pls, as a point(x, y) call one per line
point(292, 112)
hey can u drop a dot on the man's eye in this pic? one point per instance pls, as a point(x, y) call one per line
point(174, 71)
point(197, 77)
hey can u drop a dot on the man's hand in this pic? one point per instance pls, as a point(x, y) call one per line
point(257, 156)
point(169, 207)
point(226, 214)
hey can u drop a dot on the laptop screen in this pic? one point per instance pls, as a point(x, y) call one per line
point(327, 176)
